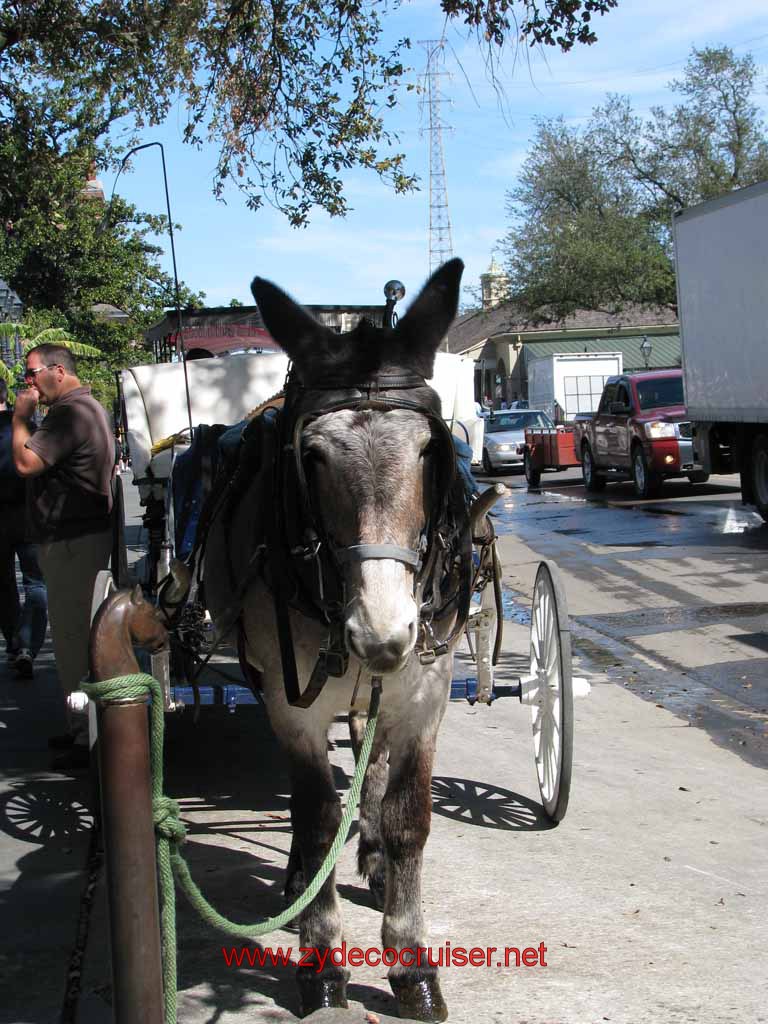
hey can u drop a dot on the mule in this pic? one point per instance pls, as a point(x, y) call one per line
point(362, 474)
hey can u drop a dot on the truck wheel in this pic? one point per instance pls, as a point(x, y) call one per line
point(533, 476)
point(760, 474)
point(647, 484)
point(593, 481)
point(698, 478)
point(487, 467)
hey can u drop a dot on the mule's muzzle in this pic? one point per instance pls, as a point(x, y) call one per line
point(381, 656)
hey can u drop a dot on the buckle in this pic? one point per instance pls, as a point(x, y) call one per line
point(336, 662)
point(309, 550)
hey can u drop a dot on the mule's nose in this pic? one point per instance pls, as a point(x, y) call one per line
point(382, 655)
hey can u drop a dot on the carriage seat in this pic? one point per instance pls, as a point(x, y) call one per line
point(221, 390)
point(454, 381)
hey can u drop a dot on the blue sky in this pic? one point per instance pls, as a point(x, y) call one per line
point(642, 45)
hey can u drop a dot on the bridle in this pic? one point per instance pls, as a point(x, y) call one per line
point(306, 566)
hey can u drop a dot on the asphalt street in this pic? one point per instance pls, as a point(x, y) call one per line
point(667, 597)
point(649, 897)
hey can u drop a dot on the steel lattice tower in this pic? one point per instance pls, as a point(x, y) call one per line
point(440, 240)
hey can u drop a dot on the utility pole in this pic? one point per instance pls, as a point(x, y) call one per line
point(440, 240)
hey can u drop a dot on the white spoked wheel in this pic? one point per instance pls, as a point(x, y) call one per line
point(102, 588)
point(548, 690)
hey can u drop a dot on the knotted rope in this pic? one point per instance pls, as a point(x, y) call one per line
point(171, 831)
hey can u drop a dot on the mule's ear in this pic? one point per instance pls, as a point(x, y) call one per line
point(300, 336)
point(137, 595)
point(429, 316)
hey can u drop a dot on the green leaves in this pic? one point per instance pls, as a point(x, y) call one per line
point(293, 92)
point(591, 214)
point(31, 335)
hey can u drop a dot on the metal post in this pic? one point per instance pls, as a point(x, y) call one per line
point(129, 842)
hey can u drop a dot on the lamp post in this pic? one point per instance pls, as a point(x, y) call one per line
point(646, 348)
point(394, 291)
point(177, 300)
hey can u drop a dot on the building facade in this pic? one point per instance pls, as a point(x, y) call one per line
point(503, 343)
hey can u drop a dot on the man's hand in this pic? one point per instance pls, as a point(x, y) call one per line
point(26, 402)
point(27, 463)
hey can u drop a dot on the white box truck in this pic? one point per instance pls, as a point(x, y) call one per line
point(721, 252)
point(573, 380)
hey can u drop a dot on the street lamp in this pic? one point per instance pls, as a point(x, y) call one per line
point(177, 300)
point(646, 348)
point(394, 291)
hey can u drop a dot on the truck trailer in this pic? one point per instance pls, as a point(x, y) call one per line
point(568, 383)
point(721, 253)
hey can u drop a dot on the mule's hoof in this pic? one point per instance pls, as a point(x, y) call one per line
point(322, 991)
point(419, 997)
point(378, 885)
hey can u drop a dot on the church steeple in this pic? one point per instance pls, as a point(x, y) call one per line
point(494, 285)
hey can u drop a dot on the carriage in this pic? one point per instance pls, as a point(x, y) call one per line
point(449, 562)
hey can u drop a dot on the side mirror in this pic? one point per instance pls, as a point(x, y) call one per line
point(618, 408)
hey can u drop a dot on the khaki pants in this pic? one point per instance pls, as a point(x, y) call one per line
point(70, 568)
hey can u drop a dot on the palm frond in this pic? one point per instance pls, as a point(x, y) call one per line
point(79, 348)
point(58, 336)
point(48, 336)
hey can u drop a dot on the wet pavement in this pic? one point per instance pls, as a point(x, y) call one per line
point(668, 597)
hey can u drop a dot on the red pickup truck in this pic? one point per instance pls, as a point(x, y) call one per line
point(640, 430)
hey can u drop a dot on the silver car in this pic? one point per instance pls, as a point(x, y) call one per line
point(504, 440)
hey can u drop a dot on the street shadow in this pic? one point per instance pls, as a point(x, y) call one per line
point(41, 910)
point(245, 888)
point(46, 812)
point(487, 806)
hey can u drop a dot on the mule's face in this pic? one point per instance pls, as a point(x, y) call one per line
point(369, 474)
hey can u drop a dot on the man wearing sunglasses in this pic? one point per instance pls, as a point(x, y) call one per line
point(69, 462)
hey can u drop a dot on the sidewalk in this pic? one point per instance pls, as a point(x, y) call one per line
point(45, 830)
point(649, 897)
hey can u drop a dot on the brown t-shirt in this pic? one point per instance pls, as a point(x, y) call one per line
point(73, 495)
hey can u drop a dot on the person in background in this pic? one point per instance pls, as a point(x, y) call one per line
point(70, 462)
point(23, 626)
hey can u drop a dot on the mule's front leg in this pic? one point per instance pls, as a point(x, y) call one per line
point(405, 820)
point(316, 813)
point(370, 848)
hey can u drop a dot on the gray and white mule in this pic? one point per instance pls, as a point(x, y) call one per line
point(371, 476)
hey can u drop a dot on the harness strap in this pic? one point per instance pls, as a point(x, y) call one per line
point(277, 568)
point(280, 584)
point(381, 382)
point(359, 552)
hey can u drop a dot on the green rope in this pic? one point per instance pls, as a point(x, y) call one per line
point(171, 832)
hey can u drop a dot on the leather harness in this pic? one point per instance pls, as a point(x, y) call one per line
point(301, 564)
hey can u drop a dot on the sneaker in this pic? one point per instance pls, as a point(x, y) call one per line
point(23, 664)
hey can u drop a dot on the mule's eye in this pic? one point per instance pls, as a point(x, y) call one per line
point(313, 457)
